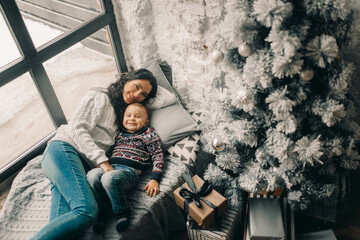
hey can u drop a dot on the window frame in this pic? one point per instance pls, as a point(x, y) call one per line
point(32, 61)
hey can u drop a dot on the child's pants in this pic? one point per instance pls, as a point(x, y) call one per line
point(113, 185)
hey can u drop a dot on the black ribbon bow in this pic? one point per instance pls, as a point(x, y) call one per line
point(194, 195)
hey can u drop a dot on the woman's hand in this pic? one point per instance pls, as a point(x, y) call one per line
point(152, 187)
point(106, 166)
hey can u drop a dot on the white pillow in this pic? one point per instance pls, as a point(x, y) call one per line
point(162, 99)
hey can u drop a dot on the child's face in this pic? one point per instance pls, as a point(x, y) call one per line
point(135, 118)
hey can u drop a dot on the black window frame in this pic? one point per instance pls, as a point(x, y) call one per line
point(32, 61)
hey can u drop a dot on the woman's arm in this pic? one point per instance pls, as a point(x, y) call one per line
point(93, 108)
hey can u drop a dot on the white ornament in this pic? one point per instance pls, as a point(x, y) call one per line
point(307, 75)
point(259, 155)
point(244, 49)
point(217, 144)
point(216, 56)
point(265, 81)
point(244, 96)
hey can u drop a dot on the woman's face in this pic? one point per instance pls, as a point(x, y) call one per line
point(136, 90)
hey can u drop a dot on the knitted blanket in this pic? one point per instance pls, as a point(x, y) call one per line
point(27, 206)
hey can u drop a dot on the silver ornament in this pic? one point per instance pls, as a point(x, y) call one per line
point(307, 75)
point(259, 155)
point(216, 56)
point(244, 96)
point(217, 144)
point(265, 81)
point(244, 49)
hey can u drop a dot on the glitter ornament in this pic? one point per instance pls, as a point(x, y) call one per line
point(259, 155)
point(307, 75)
point(217, 144)
point(244, 96)
point(216, 56)
point(244, 49)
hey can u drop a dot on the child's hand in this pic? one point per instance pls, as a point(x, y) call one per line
point(152, 187)
point(106, 166)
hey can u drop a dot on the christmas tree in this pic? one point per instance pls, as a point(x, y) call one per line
point(282, 114)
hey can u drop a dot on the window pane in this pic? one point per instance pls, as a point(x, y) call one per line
point(76, 70)
point(24, 120)
point(41, 33)
point(57, 16)
point(8, 49)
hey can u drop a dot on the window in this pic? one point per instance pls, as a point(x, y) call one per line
point(39, 85)
point(7, 44)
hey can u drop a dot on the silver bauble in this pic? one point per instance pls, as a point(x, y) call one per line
point(265, 81)
point(217, 144)
point(216, 56)
point(244, 49)
point(260, 155)
point(244, 96)
point(307, 75)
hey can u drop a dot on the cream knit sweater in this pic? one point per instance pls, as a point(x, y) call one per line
point(92, 128)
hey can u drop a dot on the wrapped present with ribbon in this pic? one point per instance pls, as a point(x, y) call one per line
point(200, 201)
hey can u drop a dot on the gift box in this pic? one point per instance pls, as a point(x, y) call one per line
point(266, 194)
point(326, 212)
point(320, 235)
point(225, 228)
point(200, 201)
point(272, 220)
point(265, 219)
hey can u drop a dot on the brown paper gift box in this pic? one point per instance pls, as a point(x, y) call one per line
point(204, 216)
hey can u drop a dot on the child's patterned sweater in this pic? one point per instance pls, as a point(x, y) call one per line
point(139, 150)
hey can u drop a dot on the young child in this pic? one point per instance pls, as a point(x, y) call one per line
point(137, 147)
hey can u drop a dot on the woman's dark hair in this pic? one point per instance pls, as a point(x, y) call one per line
point(115, 90)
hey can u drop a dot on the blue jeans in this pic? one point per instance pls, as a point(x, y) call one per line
point(113, 186)
point(73, 205)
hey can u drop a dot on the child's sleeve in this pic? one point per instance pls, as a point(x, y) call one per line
point(157, 157)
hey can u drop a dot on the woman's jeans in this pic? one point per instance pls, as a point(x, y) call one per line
point(113, 186)
point(73, 206)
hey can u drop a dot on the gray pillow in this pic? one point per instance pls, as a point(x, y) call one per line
point(173, 122)
point(166, 69)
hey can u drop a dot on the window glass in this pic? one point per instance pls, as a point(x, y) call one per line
point(78, 69)
point(24, 120)
point(8, 49)
point(60, 16)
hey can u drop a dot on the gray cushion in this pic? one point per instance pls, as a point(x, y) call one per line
point(173, 122)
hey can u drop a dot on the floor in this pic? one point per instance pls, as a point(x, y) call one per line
point(347, 226)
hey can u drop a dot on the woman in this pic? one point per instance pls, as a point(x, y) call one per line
point(82, 144)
